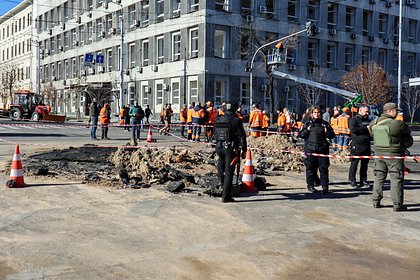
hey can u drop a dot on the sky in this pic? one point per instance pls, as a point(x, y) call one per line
point(7, 5)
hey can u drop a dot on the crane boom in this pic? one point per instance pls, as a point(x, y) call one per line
point(311, 83)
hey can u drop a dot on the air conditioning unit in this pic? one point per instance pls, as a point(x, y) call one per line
point(91, 71)
point(47, 51)
point(62, 25)
point(372, 2)
point(90, 39)
point(101, 69)
point(333, 31)
point(388, 4)
point(353, 36)
point(249, 18)
point(264, 87)
point(102, 34)
point(105, 5)
point(139, 69)
point(64, 82)
point(89, 14)
point(396, 42)
point(165, 87)
point(112, 31)
point(371, 38)
point(411, 2)
point(42, 81)
point(386, 40)
point(292, 67)
point(135, 24)
point(75, 43)
point(147, 90)
point(53, 78)
point(117, 2)
point(154, 68)
point(50, 31)
point(177, 57)
point(286, 89)
point(60, 48)
point(127, 71)
point(263, 9)
point(78, 19)
point(176, 13)
point(83, 73)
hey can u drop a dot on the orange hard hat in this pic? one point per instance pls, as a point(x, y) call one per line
point(346, 110)
point(208, 103)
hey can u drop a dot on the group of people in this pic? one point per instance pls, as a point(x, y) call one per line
point(195, 118)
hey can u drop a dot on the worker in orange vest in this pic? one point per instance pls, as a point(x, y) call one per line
point(400, 116)
point(334, 125)
point(105, 119)
point(289, 120)
point(281, 121)
point(189, 121)
point(265, 124)
point(183, 115)
point(198, 118)
point(256, 121)
point(211, 114)
point(122, 111)
point(344, 129)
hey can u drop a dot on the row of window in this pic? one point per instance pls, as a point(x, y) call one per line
point(16, 50)
point(16, 75)
point(16, 26)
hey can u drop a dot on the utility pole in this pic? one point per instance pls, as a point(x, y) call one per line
point(185, 78)
point(399, 54)
point(122, 60)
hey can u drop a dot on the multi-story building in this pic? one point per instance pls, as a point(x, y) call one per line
point(196, 50)
point(15, 51)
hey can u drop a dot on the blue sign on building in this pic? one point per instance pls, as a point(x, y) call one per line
point(100, 58)
point(88, 58)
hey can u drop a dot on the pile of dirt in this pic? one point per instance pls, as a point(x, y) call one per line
point(267, 158)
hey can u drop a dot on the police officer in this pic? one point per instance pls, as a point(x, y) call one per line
point(316, 132)
point(360, 146)
point(390, 138)
point(230, 141)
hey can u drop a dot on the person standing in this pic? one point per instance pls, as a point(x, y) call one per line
point(105, 120)
point(211, 114)
point(189, 121)
point(127, 118)
point(136, 114)
point(316, 133)
point(334, 125)
point(94, 116)
point(327, 115)
point(167, 116)
point(344, 130)
point(390, 138)
point(147, 113)
point(265, 124)
point(360, 146)
point(183, 114)
point(230, 139)
point(256, 121)
point(198, 115)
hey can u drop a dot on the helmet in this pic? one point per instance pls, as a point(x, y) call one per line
point(346, 110)
point(106, 105)
point(209, 104)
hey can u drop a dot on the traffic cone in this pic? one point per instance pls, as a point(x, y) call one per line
point(248, 176)
point(149, 135)
point(16, 173)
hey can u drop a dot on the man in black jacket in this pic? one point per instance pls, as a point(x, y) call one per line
point(316, 133)
point(360, 146)
point(230, 141)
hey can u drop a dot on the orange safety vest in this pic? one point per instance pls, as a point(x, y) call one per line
point(266, 119)
point(198, 116)
point(122, 111)
point(281, 120)
point(183, 115)
point(103, 116)
point(189, 115)
point(334, 124)
point(256, 118)
point(400, 118)
point(343, 124)
point(212, 115)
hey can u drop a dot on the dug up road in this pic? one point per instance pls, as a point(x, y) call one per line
point(69, 230)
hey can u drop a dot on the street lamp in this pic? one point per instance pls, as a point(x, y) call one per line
point(310, 27)
point(399, 53)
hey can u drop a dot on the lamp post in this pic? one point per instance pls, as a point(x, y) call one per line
point(309, 25)
point(122, 61)
point(399, 53)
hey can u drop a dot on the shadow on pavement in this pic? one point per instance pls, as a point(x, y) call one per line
point(301, 196)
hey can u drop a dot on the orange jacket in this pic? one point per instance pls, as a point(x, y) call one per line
point(281, 120)
point(266, 121)
point(256, 118)
point(334, 124)
point(212, 113)
point(399, 118)
point(198, 115)
point(343, 124)
point(104, 115)
point(189, 115)
point(183, 115)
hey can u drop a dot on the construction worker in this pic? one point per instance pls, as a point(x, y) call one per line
point(189, 121)
point(390, 138)
point(281, 121)
point(211, 114)
point(198, 115)
point(400, 116)
point(256, 121)
point(136, 115)
point(265, 124)
point(94, 115)
point(167, 116)
point(344, 129)
point(230, 144)
point(105, 120)
point(334, 125)
point(122, 115)
point(289, 120)
point(183, 114)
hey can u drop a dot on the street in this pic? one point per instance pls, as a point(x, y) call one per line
point(69, 230)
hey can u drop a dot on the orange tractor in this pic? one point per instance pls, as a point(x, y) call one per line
point(30, 106)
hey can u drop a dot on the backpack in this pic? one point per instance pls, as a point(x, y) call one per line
point(380, 131)
point(222, 128)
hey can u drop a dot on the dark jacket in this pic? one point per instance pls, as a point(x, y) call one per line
point(237, 134)
point(360, 134)
point(399, 133)
point(316, 132)
point(94, 110)
point(148, 112)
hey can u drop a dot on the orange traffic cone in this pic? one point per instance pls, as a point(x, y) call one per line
point(16, 173)
point(149, 135)
point(248, 176)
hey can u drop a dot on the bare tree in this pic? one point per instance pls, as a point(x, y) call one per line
point(9, 74)
point(312, 95)
point(411, 100)
point(371, 81)
point(49, 93)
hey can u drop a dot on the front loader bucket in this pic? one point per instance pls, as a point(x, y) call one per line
point(53, 118)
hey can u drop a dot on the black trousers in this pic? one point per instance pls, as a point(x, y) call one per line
point(359, 150)
point(225, 171)
point(313, 164)
point(183, 129)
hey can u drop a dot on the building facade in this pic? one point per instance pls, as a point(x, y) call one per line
point(15, 51)
point(195, 50)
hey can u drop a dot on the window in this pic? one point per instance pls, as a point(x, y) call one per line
point(145, 52)
point(160, 11)
point(74, 8)
point(194, 5)
point(131, 13)
point(412, 24)
point(332, 15)
point(292, 10)
point(144, 12)
point(176, 7)
point(220, 43)
point(99, 28)
point(350, 12)
point(66, 11)
point(245, 96)
point(349, 58)
point(132, 55)
point(52, 45)
point(365, 55)
point(382, 25)
point(159, 92)
point(313, 10)
point(90, 5)
point(175, 88)
point(193, 42)
point(176, 46)
point(193, 89)
point(220, 91)
point(66, 40)
point(74, 67)
point(366, 22)
point(117, 63)
point(313, 53)
point(410, 65)
point(331, 55)
point(244, 45)
point(246, 7)
point(66, 69)
point(382, 58)
point(59, 42)
point(82, 35)
point(145, 92)
point(395, 63)
point(90, 32)
point(81, 65)
point(109, 59)
point(59, 71)
point(108, 22)
point(73, 36)
point(160, 49)
point(222, 5)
